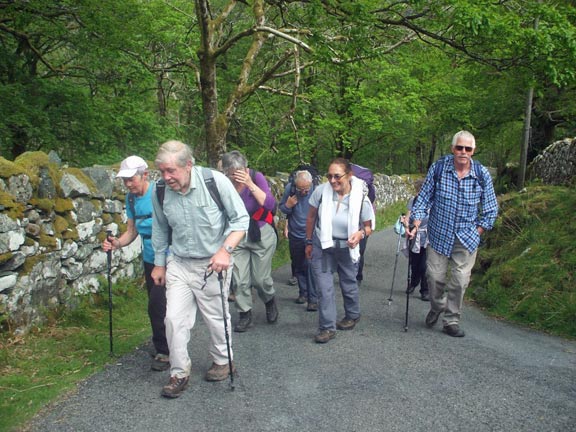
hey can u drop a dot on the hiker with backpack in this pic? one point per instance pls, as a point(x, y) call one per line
point(365, 174)
point(459, 195)
point(197, 223)
point(340, 216)
point(294, 204)
point(134, 173)
point(253, 256)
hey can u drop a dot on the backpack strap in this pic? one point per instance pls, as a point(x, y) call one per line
point(132, 204)
point(212, 187)
point(477, 166)
point(160, 192)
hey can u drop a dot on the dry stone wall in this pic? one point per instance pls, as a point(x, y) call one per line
point(556, 165)
point(53, 219)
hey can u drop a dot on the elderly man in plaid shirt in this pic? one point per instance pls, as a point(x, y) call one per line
point(459, 193)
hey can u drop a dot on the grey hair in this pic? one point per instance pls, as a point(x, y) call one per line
point(234, 161)
point(141, 171)
point(463, 134)
point(178, 149)
point(303, 175)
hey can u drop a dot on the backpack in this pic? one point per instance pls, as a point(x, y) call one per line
point(316, 177)
point(210, 185)
point(366, 175)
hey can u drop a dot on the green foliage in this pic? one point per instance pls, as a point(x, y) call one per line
point(526, 271)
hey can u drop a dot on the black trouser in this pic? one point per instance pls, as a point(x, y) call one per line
point(362, 245)
point(300, 264)
point(418, 269)
point(156, 310)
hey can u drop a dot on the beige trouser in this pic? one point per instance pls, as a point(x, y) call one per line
point(448, 296)
point(190, 288)
point(253, 268)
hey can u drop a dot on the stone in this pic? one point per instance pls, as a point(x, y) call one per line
point(72, 187)
point(20, 188)
point(103, 179)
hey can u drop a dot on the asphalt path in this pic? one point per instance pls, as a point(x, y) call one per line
point(377, 377)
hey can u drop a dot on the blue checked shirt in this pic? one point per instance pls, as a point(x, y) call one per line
point(457, 207)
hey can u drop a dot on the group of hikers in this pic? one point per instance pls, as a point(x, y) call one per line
point(206, 232)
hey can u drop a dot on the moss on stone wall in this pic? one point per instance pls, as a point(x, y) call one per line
point(63, 205)
point(9, 169)
point(70, 234)
point(44, 204)
point(6, 257)
point(13, 209)
point(83, 178)
point(60, 224)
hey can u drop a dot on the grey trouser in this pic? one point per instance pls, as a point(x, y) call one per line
point(324, 264)
point(253, 268)
point(448, 296)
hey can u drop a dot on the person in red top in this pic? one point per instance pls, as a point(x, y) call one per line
point(253, 256)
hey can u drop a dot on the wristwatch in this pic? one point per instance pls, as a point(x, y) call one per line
point(308, 242)
point(228, 249)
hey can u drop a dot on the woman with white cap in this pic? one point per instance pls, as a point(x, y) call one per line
point(134, 174)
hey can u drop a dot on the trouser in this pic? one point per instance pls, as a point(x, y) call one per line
point(324, 264)
point(362, 246)
point(156, 310)
point(190, 288)
point(448, 296)
point(253, 268)
point(418, 270)
point(300, 269)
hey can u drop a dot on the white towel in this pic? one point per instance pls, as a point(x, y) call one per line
point(354, 209)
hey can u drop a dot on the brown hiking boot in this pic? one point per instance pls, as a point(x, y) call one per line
point(324, 336)
point(312, 307)
point(219, 372)
point(271, 311)
point(244, 321)
point(300, 300)
point(175, 387)
point(160, 362)
point(347, 324)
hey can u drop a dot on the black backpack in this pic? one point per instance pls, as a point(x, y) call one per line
point(316, 177)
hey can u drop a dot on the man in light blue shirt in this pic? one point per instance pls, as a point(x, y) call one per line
point(462, 203)
point(202, 240)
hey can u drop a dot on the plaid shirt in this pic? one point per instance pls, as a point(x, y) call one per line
point(457, 207)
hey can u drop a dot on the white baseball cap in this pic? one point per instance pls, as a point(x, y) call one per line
point(130, 166)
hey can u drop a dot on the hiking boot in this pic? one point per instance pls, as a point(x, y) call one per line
point(424, 297)
point(453, 330)
point(160, 362)
point(175, 387)
point(244, 322)
point(219, 372)
point(432, 318)
point(292, 281)
point(271, 311)
point(347, 324)
point(324, 336)
point(300, 300)
point(312, 307)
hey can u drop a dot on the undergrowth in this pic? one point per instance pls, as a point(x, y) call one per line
point(525, 271)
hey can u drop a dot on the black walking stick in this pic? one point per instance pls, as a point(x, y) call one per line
point(230, 372)
point(109, 259)
point(395, 264)
point(410, 244)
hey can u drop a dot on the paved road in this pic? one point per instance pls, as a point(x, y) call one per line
point(375, 378)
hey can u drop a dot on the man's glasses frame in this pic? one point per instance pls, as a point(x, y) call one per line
point(460, 148)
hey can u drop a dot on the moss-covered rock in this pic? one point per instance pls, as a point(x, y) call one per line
point(63, 205)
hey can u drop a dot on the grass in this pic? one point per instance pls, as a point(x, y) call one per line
point(524, 273)
point(50, 360)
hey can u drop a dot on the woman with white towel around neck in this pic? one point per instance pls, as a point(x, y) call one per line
point(340, 216)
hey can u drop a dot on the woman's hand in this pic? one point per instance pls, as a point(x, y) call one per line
point(355, 238)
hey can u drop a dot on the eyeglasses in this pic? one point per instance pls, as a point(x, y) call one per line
point(303, 191)
point(460, 148)
point(335, 176)
point(207, 274)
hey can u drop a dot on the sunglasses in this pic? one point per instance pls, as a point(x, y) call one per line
point(335, 176)
point(460, 148)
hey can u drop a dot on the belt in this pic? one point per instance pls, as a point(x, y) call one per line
point(340, 243)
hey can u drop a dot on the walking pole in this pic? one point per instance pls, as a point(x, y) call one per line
point(410, 243)
point(109, 259)
point(221, 281)
point(394, 272)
